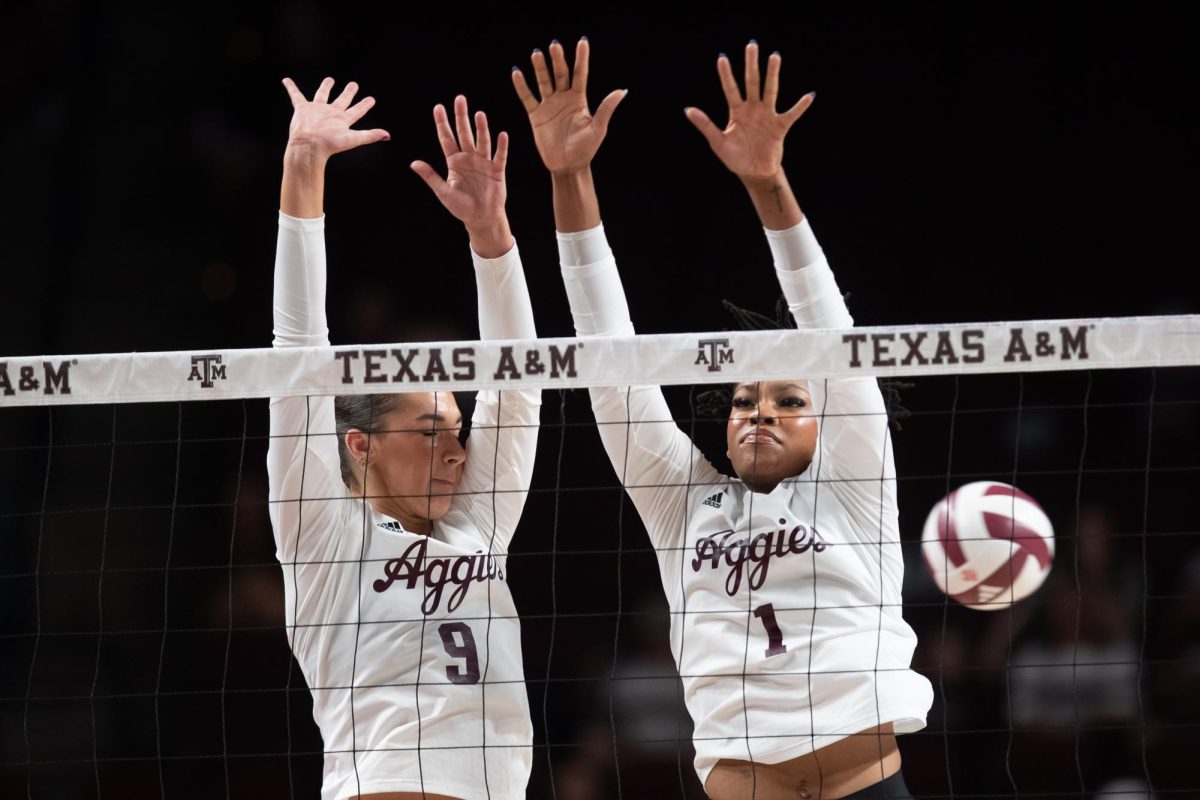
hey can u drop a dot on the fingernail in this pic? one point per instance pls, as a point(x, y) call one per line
point(387, 138)
point(554, 41)
point(626, 91)
point(537, 51)
point(583, 38)
point(775, 53)
point(753, 41)
point(722, 55)
point(516, 68)
point(813, 95)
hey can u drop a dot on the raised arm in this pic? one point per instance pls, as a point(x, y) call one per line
point(566, 133)
point(504, 426)
point(652, 457)
point(302, 459)
point(319, 130)
point(751, 147)
point(855, 446)
point(751, 144)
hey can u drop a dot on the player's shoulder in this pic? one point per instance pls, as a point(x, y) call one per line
point(459, 530)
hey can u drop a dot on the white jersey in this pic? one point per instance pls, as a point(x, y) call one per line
point(786, 617)
point(410, 644)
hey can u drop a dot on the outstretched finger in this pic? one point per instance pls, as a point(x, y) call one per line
point(501, 159)
point(347, 96)
point(355, 112)
point(607, 106)
point(705, 125)
point(428, 174)
point(558, 60)
point(797, 111)
point(771, 87)
point(445, 136)
point(728, 85)
point(582, 52)
point(462, 123)
point(297, 97)
point(753, 92)
point(360, 138)
point(322, 95)
point(540, 71)
point(483, 138)
point(524, 93)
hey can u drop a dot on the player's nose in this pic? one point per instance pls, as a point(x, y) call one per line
point(454, 454)
point(762, 417)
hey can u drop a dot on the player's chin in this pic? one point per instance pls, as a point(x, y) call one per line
point(436, 508)
point(757, 468)
point(762, 453)
point(441, 496)
point(768, 467)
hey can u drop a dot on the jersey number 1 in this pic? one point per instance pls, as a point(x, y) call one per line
point(469, 673)
point(775, 644)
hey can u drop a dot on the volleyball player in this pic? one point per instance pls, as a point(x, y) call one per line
point(393, 536)
point(784, 583)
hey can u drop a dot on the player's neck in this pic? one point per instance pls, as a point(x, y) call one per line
point(411, 524)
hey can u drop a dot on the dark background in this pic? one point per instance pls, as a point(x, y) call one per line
point(957, 166)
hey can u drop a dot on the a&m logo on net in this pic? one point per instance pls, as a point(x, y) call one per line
point(206, 369)
point(714, 353)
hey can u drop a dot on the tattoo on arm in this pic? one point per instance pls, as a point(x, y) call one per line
point(777, 190)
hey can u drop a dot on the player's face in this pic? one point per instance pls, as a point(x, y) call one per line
point(416, 459)
point(772, 433)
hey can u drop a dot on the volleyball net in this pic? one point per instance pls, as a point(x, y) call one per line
point(143, 646)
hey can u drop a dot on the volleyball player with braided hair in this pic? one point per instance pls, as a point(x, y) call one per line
point(393, 538)
point(784, 583)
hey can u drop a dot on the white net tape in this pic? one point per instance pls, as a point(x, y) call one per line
point(567, 363)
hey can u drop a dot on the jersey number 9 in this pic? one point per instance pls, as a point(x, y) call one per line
point(469, 673)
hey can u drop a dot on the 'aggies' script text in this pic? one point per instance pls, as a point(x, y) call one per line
point(458, 571)
point(759, 550)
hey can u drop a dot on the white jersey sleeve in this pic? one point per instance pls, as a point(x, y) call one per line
point(504, 427)
point(854, 457)
point(303, 465)
point(653, 458)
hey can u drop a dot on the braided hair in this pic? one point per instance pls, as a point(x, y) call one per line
point(718, 402)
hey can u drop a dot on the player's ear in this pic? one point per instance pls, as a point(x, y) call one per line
point(357, 445)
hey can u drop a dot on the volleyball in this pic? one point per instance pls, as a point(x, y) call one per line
point(988, 545)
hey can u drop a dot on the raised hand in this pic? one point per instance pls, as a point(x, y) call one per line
point(751, 145)
point(566, 133)
point(318, 130)
point(321, 128)
point(473, 190)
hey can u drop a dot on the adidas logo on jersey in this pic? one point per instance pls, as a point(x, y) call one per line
point(714, 501)
point(394, 527)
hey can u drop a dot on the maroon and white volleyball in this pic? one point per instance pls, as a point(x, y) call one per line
point(988, 545)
